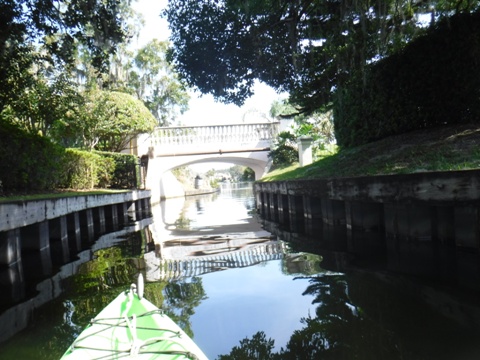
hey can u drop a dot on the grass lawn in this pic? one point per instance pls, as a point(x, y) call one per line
point(56, 195)
point(446, 148)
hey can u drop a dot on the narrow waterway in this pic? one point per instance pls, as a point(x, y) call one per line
point(242, 293)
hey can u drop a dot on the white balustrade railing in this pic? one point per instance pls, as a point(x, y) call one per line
point(192, 135)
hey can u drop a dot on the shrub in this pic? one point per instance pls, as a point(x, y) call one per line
point(86, 170)
point(433, 81)
point(284, 152)
point(28, 162)
point(32, 163)
point(125, 175)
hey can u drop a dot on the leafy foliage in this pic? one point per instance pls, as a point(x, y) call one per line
point(181, 299)
point(248, 174)
point(321, 53)
point(53, 54)
point(60, 69)
point(145, 74)
point(32, 163)
point(258, 347)
point(318, 126)
point(107, 121)
point(308, 49)
point(285, 151)
point(28, 162)
point(125, 174)
point(432, 82)
point(37, 35)
point(42, 104)
point(338, 329)
point(157, 84)
point(446, 148)
point(240, 173)
point(85, 170)
point(61, 27)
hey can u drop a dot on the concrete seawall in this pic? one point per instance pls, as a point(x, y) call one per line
point(443, 207)
point(22, 213)
point(54, 230)
point(44, 241)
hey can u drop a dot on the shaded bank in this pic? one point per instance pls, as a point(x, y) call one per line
point(426, 224)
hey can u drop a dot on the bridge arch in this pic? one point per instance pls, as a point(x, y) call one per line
point(171, 147)
point(160, 183)
point(257, 165)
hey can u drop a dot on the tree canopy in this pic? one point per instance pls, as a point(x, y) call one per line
point(33, 31)
point(157, 84)
point(306, 48)
point(108, 120)
point(63, 26)
point(66, 73)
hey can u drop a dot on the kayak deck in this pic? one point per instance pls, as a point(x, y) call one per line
point(132, 327)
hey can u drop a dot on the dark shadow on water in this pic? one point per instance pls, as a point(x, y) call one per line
point(381, 298)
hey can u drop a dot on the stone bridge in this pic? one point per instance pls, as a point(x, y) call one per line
point(167, 148)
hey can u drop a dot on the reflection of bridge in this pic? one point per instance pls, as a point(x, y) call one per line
point(171, 147)
point(194, 257)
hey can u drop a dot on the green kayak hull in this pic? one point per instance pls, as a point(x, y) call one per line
point(132, 327)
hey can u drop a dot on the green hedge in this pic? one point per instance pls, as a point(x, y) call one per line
point(125, 175)
point(32, 163)
point(28, 162)
point(86, 170)
point(432, 82)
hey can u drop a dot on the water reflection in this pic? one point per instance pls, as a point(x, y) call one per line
point(363, 316)
point(36, 290)
point(66, 302)
point(241, 293)
point(181, 299)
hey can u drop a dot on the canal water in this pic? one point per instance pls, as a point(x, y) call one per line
point(243, 293)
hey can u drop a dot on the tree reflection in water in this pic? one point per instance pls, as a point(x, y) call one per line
point(392, 325)
point(331, 334)
point(181, 299)
point(340, 329)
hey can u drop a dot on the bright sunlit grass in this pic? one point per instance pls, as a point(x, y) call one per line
point(443, 149)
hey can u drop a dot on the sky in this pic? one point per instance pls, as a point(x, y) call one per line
point(203, 109)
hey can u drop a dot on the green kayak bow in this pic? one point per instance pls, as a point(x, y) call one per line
point(132, 327)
